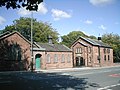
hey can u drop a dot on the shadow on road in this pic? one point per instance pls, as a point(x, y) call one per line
point(43, 81)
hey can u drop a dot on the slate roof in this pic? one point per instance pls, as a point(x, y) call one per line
point(95, 42)
point(54, 47)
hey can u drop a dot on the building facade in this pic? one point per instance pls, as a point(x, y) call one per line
point(91, 53)
point(52, 56)
point(16, 49)
point(15, 53)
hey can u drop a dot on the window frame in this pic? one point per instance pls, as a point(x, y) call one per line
point(55, 58)
point(105, 58)
point(63, 58)
point(79, 50)
point(68, 58)
point(48, 58)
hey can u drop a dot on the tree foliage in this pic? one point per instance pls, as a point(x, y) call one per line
point(41, 30)
point(72, 36)
point(114, 41)
point(29, 4)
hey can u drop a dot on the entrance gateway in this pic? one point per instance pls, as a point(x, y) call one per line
point(80, 61)
point(38, 61)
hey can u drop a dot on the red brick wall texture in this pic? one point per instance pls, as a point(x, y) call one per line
point(88, 53)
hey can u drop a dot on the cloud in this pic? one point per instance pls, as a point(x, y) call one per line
point(88, 22)
point(23, 12)
point(59, 14)
point(102, 27)
point(2, 20)
point(41, 9)
point(101, 2)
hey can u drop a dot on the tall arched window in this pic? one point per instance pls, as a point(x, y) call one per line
point(63, 58)
point(68, 58)
point(55, 58)
point(48, 58)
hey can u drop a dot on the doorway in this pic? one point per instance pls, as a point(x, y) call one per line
point(80, 61)
point(37, 61)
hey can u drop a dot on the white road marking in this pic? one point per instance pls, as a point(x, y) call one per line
point(106, 88)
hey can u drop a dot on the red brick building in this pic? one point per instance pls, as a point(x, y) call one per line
point(90, 52)
point(15, 48)
point(15, 53)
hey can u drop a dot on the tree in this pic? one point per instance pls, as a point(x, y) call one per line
point(72, 36)
point(92, 37)
point(41, 30)
point(29, 4)
point(114, 41)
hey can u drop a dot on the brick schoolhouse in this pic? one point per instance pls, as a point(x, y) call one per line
point(89, 52)
point(16, 49)
point(15, 53)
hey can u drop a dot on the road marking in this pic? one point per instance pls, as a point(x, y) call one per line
point(107, 87)
point(115, 75)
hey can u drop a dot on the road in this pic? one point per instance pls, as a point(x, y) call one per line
point(90, 79)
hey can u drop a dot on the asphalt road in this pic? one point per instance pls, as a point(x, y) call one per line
point(91, 79)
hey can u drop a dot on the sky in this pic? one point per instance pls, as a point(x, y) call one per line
point(93, 17)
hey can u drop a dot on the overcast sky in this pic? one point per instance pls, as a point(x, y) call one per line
point(93, 17)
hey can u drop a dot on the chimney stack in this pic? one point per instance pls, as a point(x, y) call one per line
point(99, 39)
point(50, 39)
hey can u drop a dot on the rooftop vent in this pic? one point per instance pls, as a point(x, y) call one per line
point(50, 39)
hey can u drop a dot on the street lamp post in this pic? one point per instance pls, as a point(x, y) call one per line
point(32, 41)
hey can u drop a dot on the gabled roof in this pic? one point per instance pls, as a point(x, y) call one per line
point(7, 34)
point(3, 34)
point(94, 42)
point(54, 47)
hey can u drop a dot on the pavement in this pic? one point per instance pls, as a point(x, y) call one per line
point(73, 69)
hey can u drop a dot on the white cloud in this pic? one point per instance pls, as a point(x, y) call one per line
point(58, 14)
point(101, 2)
point(41, 9)
point(102, 27)
point(23, 12)
point(88, 22)
point(2, 20)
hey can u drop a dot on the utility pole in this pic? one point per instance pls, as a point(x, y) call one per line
point(32, 41)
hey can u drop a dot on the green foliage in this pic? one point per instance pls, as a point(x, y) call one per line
point(71, 37)
point(92, 37)
point(40, 30)
point(114, 41)
point(29, 4)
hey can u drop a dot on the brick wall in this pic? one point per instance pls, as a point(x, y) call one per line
point(45, 64)
point(91, 56)
point(25, 46)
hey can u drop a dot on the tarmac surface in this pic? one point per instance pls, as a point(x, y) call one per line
point(107, 78)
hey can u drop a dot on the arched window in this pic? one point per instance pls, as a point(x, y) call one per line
point(63, 58)
point(68, 58)
point(55, 58)
point(48, 58)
